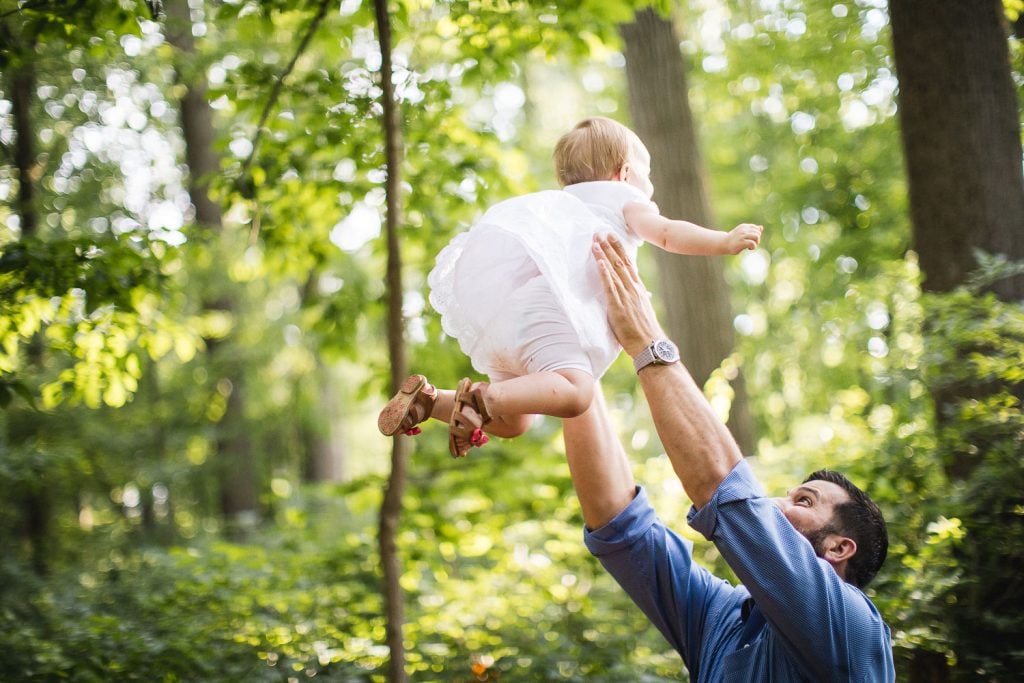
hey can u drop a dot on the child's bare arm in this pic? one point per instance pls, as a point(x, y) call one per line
point(683, 237)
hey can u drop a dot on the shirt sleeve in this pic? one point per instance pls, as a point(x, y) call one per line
point(608, 198)
point(826, 624)
point(697, 613)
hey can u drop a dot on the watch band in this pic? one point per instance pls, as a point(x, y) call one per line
point(644, 358)
point(660, 352)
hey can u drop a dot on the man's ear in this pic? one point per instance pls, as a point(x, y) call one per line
point(839, 549)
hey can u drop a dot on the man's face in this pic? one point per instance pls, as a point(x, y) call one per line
point(809, 507)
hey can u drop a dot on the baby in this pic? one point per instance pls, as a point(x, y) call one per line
point(522, 295)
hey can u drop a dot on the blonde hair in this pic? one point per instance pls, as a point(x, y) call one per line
point(595, 149)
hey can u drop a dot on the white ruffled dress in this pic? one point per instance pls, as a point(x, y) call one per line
point(546, 234)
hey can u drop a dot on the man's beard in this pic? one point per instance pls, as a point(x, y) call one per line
point(817, 538)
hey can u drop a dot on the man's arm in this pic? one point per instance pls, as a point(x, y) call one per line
point(827, 624)
point(694, 611)
point(698, 444)
point(598, 465)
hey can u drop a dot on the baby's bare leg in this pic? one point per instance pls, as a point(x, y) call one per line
point(512, 403)
point(444, 405)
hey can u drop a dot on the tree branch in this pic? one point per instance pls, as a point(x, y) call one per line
point(43, 5)
point(241, 183)
point(21, 8)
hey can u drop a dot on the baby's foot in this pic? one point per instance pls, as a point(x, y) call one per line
point(410, 406)
point(468, 418)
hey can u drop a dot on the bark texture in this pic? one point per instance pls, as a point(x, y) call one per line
point(391, 507)
point(21, 86)
point(961, 135)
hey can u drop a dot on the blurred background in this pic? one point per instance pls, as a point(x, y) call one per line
point(198, 328)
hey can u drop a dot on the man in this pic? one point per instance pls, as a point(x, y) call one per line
point(799, 614)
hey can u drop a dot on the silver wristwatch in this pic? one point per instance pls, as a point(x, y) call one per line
point(660, 352)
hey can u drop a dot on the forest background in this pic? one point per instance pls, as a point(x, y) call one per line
point(213, 253)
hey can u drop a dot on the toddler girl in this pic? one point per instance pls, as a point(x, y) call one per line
point(521, 292)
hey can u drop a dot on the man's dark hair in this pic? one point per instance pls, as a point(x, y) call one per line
point(859, 519)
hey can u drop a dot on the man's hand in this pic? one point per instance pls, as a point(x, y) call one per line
point(743, 236)
point(697, 442)
point(630, 314)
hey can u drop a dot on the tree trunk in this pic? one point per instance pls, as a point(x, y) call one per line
point(236, 469)
point(321, 434)
point(21, 86)
point(693, 288)
point(391, 507)
point(21, 89)
point(321, 427)
point(961, 135)
point(928, 667)
point(36, 508)
point(34, 502)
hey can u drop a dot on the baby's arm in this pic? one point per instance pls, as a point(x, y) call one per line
point(683, 237)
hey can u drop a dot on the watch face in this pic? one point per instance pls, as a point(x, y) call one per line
point(666, 352)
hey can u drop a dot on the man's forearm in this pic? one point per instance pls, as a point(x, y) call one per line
point(700, 447)
point(600, 470)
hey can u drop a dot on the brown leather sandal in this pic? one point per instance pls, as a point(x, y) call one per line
point(469, 415)
point(411, 405)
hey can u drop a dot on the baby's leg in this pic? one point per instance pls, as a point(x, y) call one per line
point(512, 403)
point(546, 371)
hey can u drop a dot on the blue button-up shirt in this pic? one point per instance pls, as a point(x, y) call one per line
point(792, 619)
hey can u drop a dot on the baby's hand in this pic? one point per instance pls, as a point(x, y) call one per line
point(743, 236)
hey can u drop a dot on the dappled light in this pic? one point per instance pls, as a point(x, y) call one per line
point(194, 293)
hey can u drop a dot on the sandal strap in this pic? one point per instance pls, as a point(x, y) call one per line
point(412, 404)
point(464, 430)
point(422, 406)
point(477, 397)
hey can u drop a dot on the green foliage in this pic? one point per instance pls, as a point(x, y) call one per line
point(110, 488)
point(804, 140)
point(95, 302)
point(26, 23)
point(84, 300)
point(947, 585)
point(498, 583)
point(973, 368)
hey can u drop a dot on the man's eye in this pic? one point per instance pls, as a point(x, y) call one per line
point(804, 499)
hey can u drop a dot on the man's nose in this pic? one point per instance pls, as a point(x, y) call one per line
point(780, 503)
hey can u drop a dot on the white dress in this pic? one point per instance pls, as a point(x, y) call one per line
point(540, 244)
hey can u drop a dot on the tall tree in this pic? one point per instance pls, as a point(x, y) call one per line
point(696, 297)
point(236, 469)
point(961, 137)
point(391, 507)
point(20, 85)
